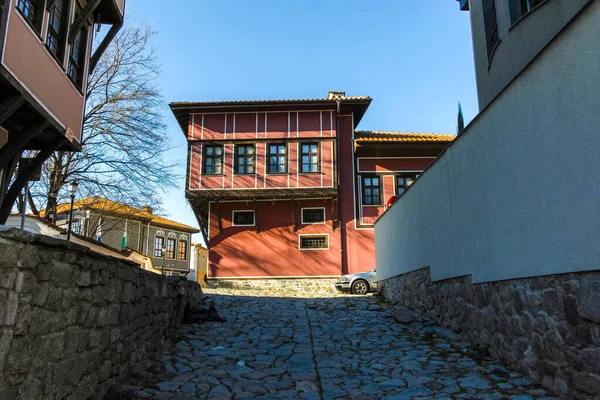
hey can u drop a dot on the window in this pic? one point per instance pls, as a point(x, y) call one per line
point(32, 11)
point(213, 160)
point(182, 253)
point(404, 181)
point(518, 8)
point(313, 242)
point(244, 159)
point(57, 29)
point(277, 158)
point(77, 55)
point(76, 227)
point(310, 157)
point(243, 218)
point(159, 242)
point(490, 22)
point(371, 189)
point(171, 248)
point(313, 215)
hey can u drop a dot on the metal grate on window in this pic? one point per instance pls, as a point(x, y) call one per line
point(243, 218)
point(314, 242)
point(313, 215)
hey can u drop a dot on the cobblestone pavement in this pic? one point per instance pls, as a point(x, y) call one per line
point(321, 348)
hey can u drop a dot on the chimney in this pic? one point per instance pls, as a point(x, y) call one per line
point(336, 95)
point(148, 209)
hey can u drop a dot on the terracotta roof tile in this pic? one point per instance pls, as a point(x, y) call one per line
point(115, 208)
point(383, 136)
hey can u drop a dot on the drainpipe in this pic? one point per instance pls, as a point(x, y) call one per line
point(148, 240)
point(337, 179)
point(139, 235)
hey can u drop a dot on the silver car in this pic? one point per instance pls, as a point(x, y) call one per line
point(361, 283)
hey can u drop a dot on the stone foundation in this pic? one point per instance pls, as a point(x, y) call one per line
point(546, 327)
point(73, 322)
point(299, 286)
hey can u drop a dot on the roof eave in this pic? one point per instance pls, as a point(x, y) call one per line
point(182, 110)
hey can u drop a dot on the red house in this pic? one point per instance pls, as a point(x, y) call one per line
point(290, 188)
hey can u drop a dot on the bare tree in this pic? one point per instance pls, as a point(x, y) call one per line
point(124, 131)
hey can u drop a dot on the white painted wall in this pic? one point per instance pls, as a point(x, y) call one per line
point(518, 193)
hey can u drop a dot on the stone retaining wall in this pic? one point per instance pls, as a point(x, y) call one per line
point(547, 327)
point(72, 321)
point(300, 286)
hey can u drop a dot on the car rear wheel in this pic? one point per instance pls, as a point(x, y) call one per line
point(360, 286)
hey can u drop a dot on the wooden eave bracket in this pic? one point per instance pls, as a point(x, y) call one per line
point(10, 106)
point(23, 177)
point(293, 215)
point(18, 140)
point(202, 221)
point(86, 13)
point(104, 45)
point(218, 210)
point(256, 216)
point(50, 4)
point(332, 217)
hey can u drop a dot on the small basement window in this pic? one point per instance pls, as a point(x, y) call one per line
point(314, 242)
point(313, 215)
point(243, 218)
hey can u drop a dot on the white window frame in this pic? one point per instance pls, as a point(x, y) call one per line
point(241, 211)
point(313, 208)
point(313, 234)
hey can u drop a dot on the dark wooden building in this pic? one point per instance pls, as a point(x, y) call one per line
point(45, 59)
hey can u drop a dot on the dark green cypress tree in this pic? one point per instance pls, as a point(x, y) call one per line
point(461, 120)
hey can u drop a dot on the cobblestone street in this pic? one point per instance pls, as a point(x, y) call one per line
point(320, 348)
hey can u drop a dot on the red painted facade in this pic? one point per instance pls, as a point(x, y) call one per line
point(273, 243)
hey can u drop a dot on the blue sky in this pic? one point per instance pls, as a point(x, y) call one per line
point(414, 58)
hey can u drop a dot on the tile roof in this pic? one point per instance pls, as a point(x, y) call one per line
point(283, 101)
point(123, 210)
point(383, 136)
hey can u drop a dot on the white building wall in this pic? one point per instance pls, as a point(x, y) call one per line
point(518, 193)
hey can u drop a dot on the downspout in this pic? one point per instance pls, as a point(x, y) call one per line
point(148, 240)
point(337, 180)
point(189, 258)
point(139, 235)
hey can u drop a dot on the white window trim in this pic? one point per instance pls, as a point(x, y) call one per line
point(313, 208)
point(166, 244)
point(312, 234)
point(241, 211)
point(159, 234)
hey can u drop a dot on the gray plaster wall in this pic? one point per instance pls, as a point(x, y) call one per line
point(140, 237)
point(519, 43)
point(518, 193)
